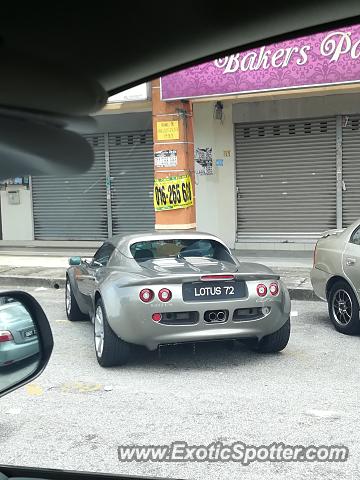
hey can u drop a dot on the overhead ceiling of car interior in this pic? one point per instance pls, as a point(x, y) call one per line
point(68, 47)
point(60, 61)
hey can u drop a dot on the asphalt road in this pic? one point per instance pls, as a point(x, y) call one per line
point(76, 414)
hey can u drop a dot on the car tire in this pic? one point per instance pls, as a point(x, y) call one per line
point(73, 312)
point(344, 308)
point(109, 348)
point(275, 342)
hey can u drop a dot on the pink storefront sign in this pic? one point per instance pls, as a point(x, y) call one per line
point(326, 58)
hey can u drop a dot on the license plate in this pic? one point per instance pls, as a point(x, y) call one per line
point(213, 291)
point(30, 333)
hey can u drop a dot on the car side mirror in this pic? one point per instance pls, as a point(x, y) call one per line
point(75, 261)
point(26, 340)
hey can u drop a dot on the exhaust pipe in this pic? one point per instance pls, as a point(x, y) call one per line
point(212, 316)
point(221, 316)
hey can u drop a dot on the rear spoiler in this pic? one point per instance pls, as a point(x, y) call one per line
point(179, 279)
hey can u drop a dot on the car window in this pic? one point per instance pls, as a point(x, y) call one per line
point(102, 256)
point(171, 350)
point(178, 248)
point(355, 237)
point(12, 312)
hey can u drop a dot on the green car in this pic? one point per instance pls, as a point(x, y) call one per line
point(18, 336)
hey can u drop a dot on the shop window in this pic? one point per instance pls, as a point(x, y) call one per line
point(307, 127)
point(323, 127)
point(292, 130)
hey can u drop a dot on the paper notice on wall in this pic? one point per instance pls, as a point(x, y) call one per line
point(165, 158)
point(204, 161)
point(168, 130)
point(173, 192)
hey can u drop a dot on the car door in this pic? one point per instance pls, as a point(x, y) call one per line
point(351, 259)
point(99, 261)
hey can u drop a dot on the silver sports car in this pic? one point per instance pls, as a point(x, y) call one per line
point(157, 288)
point(335, 276)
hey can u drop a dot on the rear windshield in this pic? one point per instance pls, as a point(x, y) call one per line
point(13, 312)
point(179, 248)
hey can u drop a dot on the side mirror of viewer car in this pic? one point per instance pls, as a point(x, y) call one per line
point(26, 340)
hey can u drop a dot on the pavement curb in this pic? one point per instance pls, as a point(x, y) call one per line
point(27, 281)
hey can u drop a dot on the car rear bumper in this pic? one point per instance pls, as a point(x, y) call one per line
point(11, 352)
point(319, 280)
point(132, 320)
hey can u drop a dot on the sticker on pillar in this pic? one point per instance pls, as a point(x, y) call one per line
point(165, 158)
point(204, 161)
point(168, 130)
point(173, 192)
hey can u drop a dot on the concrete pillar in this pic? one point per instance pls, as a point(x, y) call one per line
point(177, 136)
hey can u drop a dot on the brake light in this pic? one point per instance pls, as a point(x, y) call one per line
point(5, 336)
point(274, 289)
point(206, 278)
point(146, 295)
point(165, 295)
point(261, 290)
point(156, 317)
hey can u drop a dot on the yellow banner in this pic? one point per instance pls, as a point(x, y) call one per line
point(168, 130)
point(173, 192)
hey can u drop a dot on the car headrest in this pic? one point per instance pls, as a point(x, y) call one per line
point(143, 254)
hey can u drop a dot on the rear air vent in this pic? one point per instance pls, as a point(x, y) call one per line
point(179, 318)
point(246, 314)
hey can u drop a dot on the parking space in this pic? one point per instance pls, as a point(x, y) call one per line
point(76, 414)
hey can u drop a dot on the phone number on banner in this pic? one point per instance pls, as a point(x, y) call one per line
point(173, 192)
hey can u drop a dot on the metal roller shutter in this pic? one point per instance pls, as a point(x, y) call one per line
point(286, 178)
point(351, 169)
point(132, 181)
point(72, 207)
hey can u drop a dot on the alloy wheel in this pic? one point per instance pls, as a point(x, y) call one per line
point(342, 307)
point(68, 297)
point(99, 331)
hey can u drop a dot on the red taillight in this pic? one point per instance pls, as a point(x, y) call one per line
point(261, 290)
point(165, 295)
point(274, 289)
point(146, 295)
point(206, 278)
point(156, 317)
point(5, 336)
